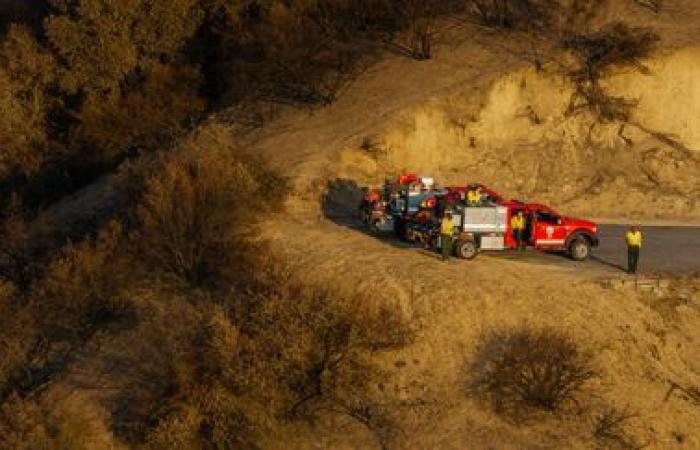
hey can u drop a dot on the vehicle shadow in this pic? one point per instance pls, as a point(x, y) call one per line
point(341, 205)
point(341, 202)
point(607, 263)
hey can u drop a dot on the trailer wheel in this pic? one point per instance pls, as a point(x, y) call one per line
point(467, 249)
point(580, 249)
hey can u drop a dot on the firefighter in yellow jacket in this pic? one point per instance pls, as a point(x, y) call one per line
point(633, 237)
point(517, 225)
point(446, 231)
point(474, 196)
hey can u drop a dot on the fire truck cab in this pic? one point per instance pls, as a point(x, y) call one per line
point(485, 228)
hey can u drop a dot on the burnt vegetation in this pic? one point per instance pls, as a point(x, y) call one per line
point(87, 83)
point(203, 338)
point(597, 51)
point(524, 371)
point(600, 53)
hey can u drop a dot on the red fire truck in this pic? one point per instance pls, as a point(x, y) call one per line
point(487, 227)
point(484, 227)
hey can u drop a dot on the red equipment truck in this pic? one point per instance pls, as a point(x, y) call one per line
point(487, 227)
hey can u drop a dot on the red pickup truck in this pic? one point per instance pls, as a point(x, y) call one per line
point(487, 227)
point(548, 230)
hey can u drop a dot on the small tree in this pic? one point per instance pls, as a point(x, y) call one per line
point(18, 253)
point(421, 16)
point(597, 55)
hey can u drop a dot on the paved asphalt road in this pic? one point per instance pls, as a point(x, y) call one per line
point(665, 249)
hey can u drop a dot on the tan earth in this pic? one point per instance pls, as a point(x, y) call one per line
point(469, 115)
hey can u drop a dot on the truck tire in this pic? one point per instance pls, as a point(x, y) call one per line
point(400, 228)
point(374, 226)
point(467, 249)
point(580, 249)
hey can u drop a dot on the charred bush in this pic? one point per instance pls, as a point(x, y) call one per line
point(540, 16)
point(526, 370)
point(196, 209)
point(611, 430)
point(599, 53)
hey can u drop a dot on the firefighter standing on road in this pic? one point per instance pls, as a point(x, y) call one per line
point(517, 224)
point(446, 231)
point(633, 237)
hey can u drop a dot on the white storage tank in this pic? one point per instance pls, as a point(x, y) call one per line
point(485, 220)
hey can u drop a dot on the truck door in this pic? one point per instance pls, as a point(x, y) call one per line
point(549, 231)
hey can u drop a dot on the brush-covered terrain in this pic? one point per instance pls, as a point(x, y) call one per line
point(181, 262)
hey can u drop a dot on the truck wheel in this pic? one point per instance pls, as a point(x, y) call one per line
point(580, 249)
point(400, 228)
point(467, 249)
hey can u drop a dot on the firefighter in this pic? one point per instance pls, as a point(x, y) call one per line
point(474, 196)
point(517, 225)
point(633, 237)
point(446, 231)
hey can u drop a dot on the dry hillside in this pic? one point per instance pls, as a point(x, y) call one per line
point(482, 111)
point(300, 331)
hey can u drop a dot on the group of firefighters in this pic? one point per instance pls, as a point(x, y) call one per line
point(518, 224)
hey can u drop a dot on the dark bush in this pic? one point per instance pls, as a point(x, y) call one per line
point(539, 16)
point(654, 5)
point(525, 369)
point(597, 55)
point(191, 213)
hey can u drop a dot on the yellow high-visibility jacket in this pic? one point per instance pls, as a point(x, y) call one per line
point(473, 197)
point(517, 223)
point(634, 239)
point(447, 226)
